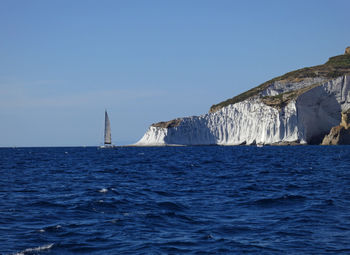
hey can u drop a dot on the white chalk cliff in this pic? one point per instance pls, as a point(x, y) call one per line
point(299, 107)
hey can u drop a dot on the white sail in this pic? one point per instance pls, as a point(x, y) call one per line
point(108, 137)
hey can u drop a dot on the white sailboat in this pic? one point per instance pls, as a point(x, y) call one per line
point(108, 136)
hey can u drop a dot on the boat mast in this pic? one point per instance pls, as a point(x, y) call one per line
point(108, 137)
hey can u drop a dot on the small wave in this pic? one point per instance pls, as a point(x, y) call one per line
point(52, 228)
point(283, 200)
point(251, 187)
point(115, 191)
point(292, 187)
point(163, 193)
point(171, 206)
point(182, 217)
point(44, 203)
point(104, 190)
point(34, 250)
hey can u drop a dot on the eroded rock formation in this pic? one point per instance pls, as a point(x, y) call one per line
point(339, 135)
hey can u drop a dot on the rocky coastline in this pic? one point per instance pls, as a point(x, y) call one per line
point(298, 108)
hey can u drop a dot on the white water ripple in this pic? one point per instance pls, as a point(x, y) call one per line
point(36, 249)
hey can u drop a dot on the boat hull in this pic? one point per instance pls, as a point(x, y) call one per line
point(107, 147)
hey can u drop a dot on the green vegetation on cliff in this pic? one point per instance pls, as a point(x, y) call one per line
point(167, 124)
point(334, 67)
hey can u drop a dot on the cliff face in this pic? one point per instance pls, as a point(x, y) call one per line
point(339, 134)
point(304, 119)
point(299, 107)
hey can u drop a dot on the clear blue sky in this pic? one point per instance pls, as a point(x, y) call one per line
point(63, 62)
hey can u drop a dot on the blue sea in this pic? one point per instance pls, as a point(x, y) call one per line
point(175, 200)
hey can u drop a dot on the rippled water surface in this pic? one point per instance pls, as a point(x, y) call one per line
point(175, 200)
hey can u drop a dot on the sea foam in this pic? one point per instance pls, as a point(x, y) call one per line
point(36, 249)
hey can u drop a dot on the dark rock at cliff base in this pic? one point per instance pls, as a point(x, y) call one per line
point(339, 135)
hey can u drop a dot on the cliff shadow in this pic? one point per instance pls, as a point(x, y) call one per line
point(318, 111)
point(191, 132)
